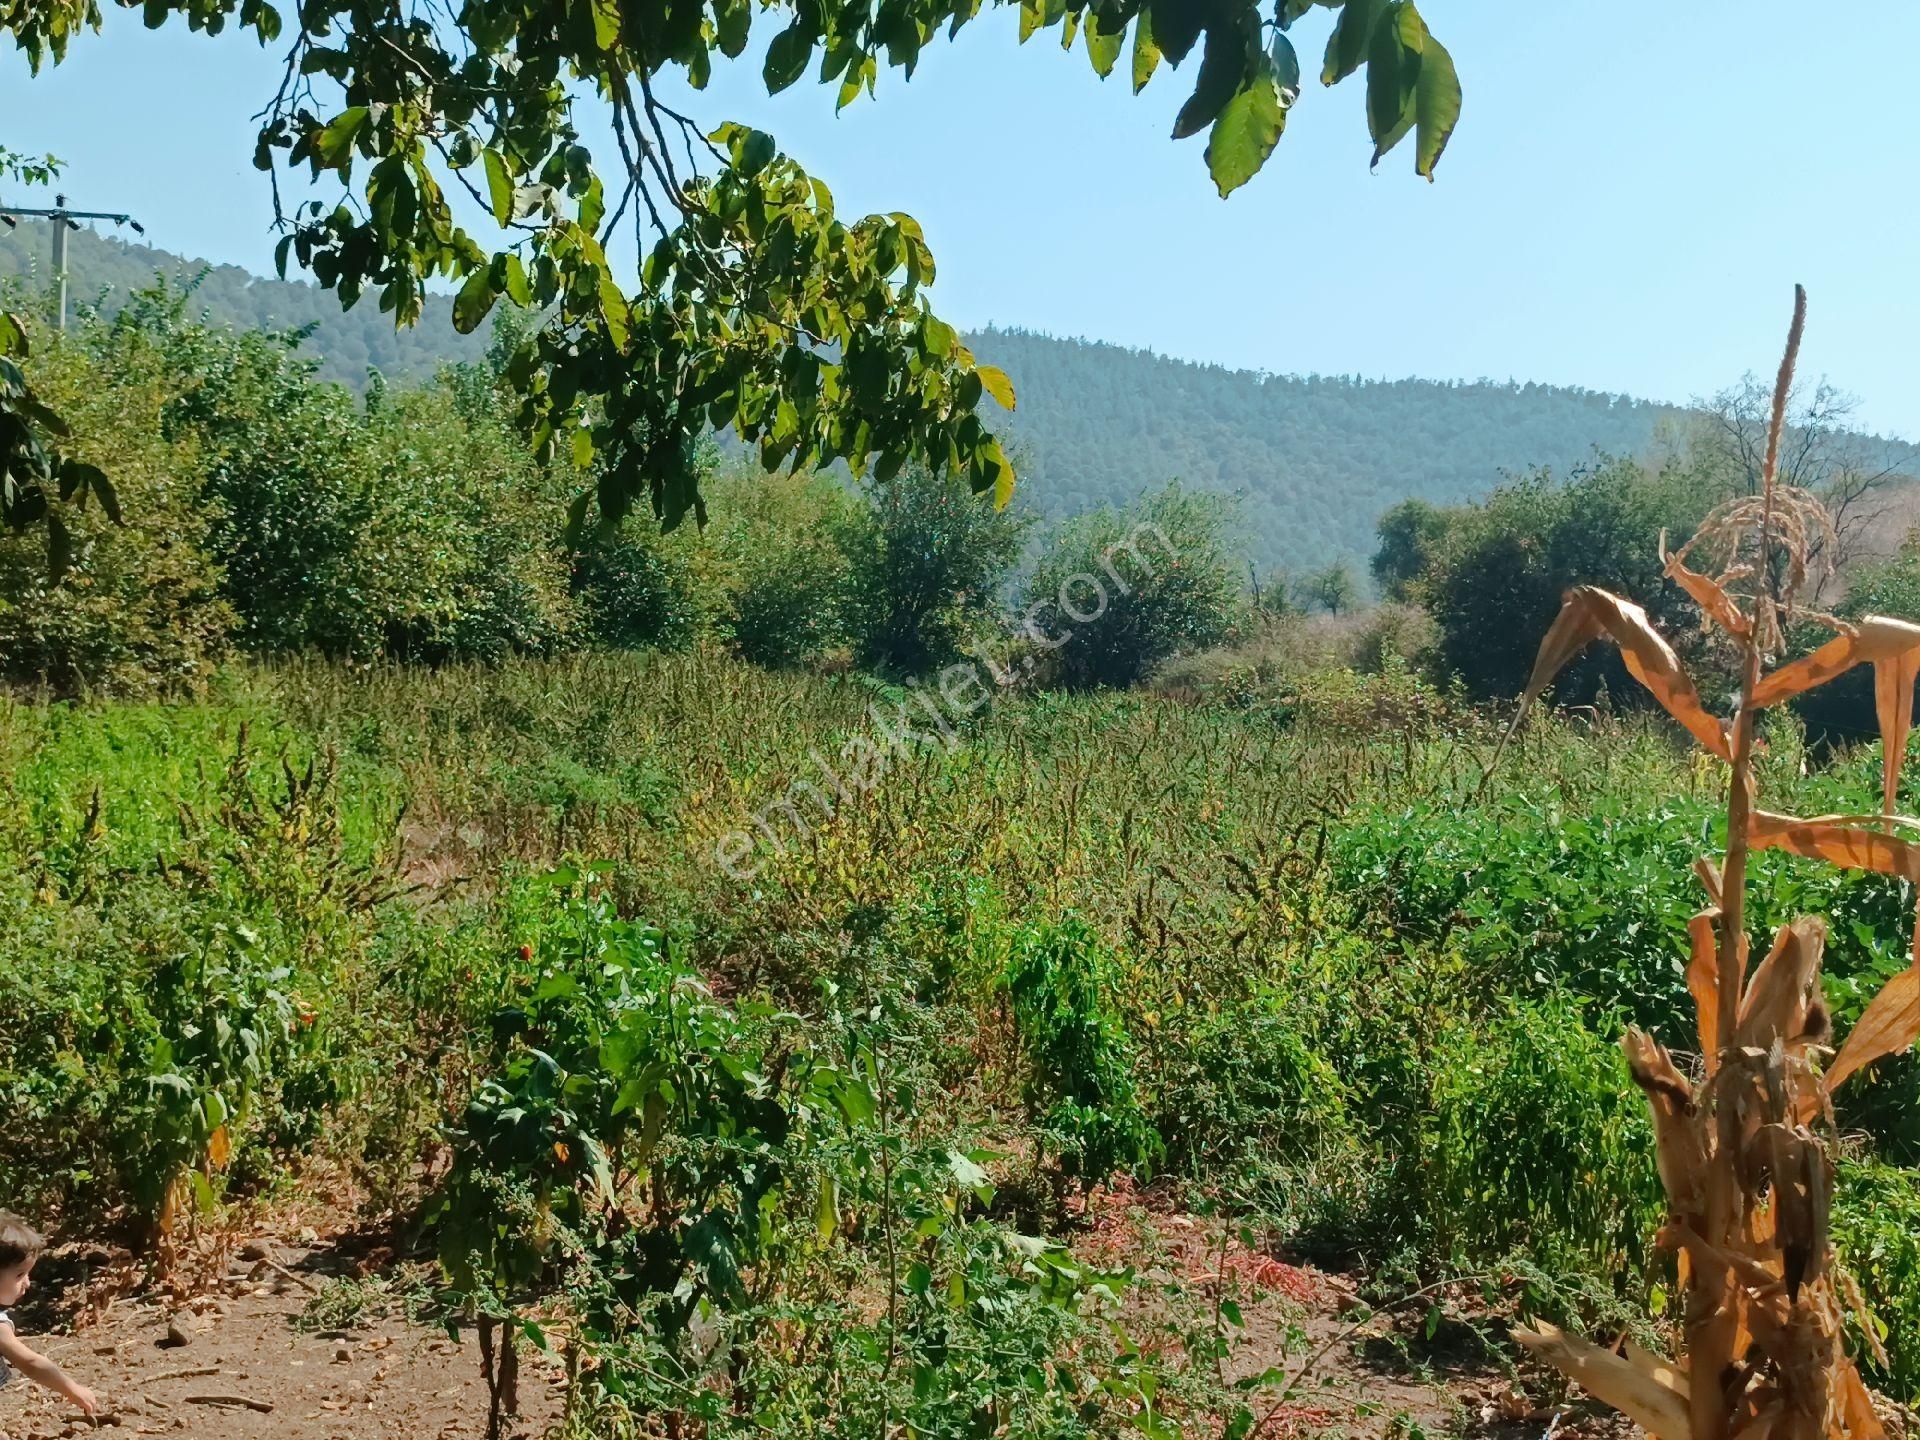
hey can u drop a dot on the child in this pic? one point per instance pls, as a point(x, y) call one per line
point(20, 1246)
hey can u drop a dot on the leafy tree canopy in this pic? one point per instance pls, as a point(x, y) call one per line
point(756, 305)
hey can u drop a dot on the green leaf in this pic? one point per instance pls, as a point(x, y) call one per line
point(1245, 134)
point(499, 185)
point(13, 336)
point(1436, 106)
point(1002, 479)
point(787, 58)
point(59, 548)
point(1285, 61)
point(606, 23)
point(1393, 74)
point(515, 281)
point(1176, 26)
point(1347, 45)
point(1103, 49)
point(994, 380)
point(1221, 72)
point(1146, 54)
point(472, 302)
point(615, 310)
point(753, 151)
point(334, 144)
point(77, 473)
point(826, 1209)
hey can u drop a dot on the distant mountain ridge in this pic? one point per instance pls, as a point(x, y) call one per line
point(1314, 459)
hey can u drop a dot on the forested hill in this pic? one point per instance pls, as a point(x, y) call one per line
point(1316, 459)
point(103, 269)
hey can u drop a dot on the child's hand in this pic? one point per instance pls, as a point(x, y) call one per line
point(84, 1398)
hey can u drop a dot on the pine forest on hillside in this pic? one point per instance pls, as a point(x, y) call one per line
point(1315, 460)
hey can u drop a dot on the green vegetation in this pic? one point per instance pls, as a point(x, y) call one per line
point(1313, 462)
point(1019, 965)
point(755, 306)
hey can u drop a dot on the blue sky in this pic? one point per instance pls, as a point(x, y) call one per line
point(1633, 190)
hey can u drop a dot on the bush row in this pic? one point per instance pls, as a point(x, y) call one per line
point(270, 512)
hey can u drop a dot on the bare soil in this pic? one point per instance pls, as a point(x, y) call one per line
point(383, 1378)
point(1356, 1373)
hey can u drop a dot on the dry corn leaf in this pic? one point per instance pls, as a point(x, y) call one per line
point(1584, 617)
point(1871, 641)
point(1707, 594)
point(1839, 839)
point(1660, 1368)
point(1703, 980)
point(1893, 698)
point(1760, 1425)
point(1676, 1139)
point(1709, 874)
point(1855, 1405)
point(219, 1148)
point(1782, 989)
point(1890, 1023)
point(1634, 1389)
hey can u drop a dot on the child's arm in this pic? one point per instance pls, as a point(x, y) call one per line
point(42, 1371)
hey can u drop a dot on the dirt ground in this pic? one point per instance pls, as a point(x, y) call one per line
point(384, 1378)
point(247, 1370)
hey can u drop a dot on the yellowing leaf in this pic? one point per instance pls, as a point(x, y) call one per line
point(1893, 680)
point(995, 382)
point(1436, 103)
point(1777, 997)
point(1876, 638)
point(1706, 593)
point(219, 1149)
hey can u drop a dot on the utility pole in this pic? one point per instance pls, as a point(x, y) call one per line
point(64, 220)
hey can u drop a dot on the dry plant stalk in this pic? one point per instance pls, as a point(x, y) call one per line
point(1748, 1182)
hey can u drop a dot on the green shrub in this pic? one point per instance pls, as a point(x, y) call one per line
point(1876, 1234)
point(788, 577)
point(642, 589)
point(417, 527)
point(1080, 1084)
point(1539, 1144)
point(1117, 592)
point(1498, 571)
point(928, 559)
point(1245, 1101)
point(139, 609)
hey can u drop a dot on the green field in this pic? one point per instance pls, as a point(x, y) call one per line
point(455, 943)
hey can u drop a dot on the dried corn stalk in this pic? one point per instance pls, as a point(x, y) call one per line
point(1748, 1181)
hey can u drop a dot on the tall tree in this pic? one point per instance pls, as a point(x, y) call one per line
point(756, 306)
point(1820, 452)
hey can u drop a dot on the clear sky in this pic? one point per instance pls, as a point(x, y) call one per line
point(1633, 190)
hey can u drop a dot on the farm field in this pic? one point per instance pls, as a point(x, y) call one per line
point(1116, 1064)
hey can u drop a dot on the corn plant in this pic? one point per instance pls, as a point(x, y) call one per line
point(1747, 1179)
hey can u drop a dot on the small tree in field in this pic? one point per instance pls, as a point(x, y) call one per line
point(1748, 1181)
